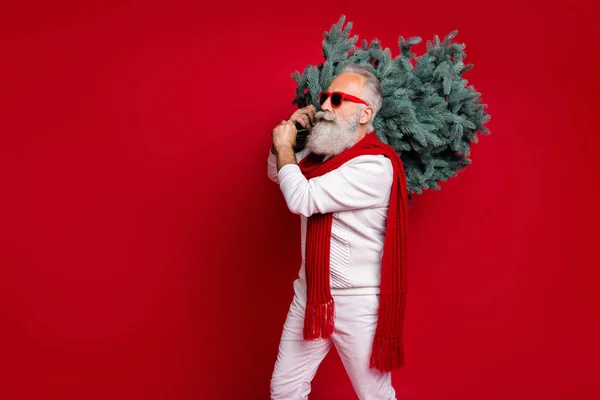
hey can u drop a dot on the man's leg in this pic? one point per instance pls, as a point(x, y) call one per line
point(355, 323)
point(297, 360)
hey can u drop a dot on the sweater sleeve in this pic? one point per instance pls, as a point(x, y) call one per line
point(362, 182)
point(272, 167)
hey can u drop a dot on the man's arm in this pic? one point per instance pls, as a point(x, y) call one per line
point(285, 156)
point(362, 182)
point(272, 167)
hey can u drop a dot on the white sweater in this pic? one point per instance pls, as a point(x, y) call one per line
point(357, 193)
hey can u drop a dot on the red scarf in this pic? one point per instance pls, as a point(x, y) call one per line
point(387, 352)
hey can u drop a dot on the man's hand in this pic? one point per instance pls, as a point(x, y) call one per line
point(284, 135)
point(284, 140)
point(305, 116)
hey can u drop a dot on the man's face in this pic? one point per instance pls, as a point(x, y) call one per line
point(336, 129)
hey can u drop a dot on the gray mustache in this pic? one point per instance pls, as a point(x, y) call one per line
point(325, 116)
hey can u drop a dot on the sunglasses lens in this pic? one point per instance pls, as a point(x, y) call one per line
point(336, 99)
point(323, 98)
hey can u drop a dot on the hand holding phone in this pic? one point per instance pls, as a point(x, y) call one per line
point(304, 119)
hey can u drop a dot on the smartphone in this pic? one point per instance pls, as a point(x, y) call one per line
point(301, 136)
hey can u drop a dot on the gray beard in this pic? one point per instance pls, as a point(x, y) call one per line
point(331, 135)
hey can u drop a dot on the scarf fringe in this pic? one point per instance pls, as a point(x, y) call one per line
point(387, 353)
point(319, 320)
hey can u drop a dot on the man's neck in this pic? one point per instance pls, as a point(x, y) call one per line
point(362, 132)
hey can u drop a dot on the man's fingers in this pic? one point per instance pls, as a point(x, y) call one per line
point(303, 120)
point(310, 111)
point(305, 116)
point(296, 118)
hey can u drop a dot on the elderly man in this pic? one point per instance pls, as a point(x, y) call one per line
point(350, 191)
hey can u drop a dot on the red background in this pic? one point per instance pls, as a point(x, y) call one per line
point(145, 254)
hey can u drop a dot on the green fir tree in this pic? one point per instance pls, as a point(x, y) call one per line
point(428, 115)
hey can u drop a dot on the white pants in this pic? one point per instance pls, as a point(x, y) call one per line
point(298, 360)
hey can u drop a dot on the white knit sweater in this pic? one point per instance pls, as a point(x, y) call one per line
point(358, 194)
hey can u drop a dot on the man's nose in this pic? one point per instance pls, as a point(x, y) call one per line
point(327, 105)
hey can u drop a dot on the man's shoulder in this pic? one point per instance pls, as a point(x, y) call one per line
point(380, 161)
point(373, 168)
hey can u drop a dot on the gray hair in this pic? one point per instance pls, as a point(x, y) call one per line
point(372, 88)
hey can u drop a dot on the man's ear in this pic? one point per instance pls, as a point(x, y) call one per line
point(365, 114)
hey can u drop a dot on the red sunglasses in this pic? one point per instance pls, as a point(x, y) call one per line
point(338, 97)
